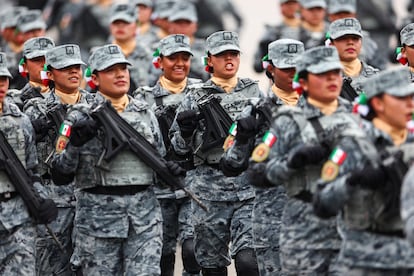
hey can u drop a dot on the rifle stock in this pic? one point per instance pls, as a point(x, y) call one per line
point(120, 135)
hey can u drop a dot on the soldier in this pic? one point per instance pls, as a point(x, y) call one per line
point(289, 28)
point(159, 17)
point(123, 19)
point(406, 51)
point(164, 98)
point(308, 245)
point(8, 27)
point(65, 75)
point(147, 33)
point(346, 35)
point(31, 65)
point(269, 201)
point(314, 27)
point(365, 184)
point(17, 229)
point(118, 222)
point(339, 9)
point(229, 200)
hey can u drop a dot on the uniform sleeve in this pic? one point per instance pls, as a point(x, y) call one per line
point(30, 144)
point(158, 139)
point(407, 204)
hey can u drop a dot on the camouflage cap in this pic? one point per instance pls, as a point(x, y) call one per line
point(37, 47)
point(407, 35)
point(308, 4)
point(106, 56)
point(123, 12)
point(318, 60)
point(283, 52)
point(184, 11)
point(30, 20)
point(222, 41)
point(163, 8)
point(64, 56)
point(285, 1)
point(344, 26)
point(4, 72)
point(393, 81)
point(148, 3)
point(173, 44)
point(9, 16)
point(336, 6)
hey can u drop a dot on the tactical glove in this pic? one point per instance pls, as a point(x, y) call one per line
point(83, 131)
point(306, 155)
point(47, 211)
point(41, 128)
point(228, 170)
point(175, 169)
point(256, 175)
point(246, 129)
point(368, 178)
point(187, 121)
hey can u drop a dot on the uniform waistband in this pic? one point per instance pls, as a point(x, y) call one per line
point(117, 190)
point(7, 196)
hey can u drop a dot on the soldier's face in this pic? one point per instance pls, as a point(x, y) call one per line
point(4, 86)
point(185, 27)
point(396, 111)
point(33, 67)
point(323, 87)
point(348, 46)
point(289, 8)
point(176, 67)
point(68, 79)
point(225, 64)
point(283, 78)
point(123, 31)
point(113, 81)
point(144, 13)
point(313, 16)
point(408, 52)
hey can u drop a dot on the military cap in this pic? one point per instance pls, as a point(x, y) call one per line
point(283, 52)
point(393, 81)
point(285, 1)
point(123, 12)
point(148, 3)
point(37, 47)
point(30, 20)
point(106, 56)
point(184, 11)
point(173, 44)
point(163, 8)
point(10, 15)
point(407, 35)
point(308, 4)
point(344, 26)
point(336, 6)
point(64, 56)
point(318, 60)
point(4, 72)
point(222, 41)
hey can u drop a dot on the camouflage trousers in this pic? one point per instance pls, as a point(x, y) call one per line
point(375, 272)
point(225, 222)
point(50, 259)
point(17, 250)
point(267, 216)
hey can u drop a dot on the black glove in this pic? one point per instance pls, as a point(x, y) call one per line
point(306, 155)
point(246, 128)
point(256, 174)
point(47, 211)
point(228, 170)
point(368, 178)
point(83, 131)
point(41, 128)
point(187, 121)
point(175, 169)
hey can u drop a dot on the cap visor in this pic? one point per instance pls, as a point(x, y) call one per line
point(324, 67)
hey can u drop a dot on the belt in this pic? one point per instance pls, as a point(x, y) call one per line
point(305, 196)
point(8, 195)
point(117, 190)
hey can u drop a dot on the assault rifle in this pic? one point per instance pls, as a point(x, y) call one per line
point(120, 135)
point(216, 120)
point(347, 91)
point(56, 115)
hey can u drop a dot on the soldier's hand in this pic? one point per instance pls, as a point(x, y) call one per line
point(246, 129)
point(175, 169)
point(368, 178)
point(306, 155)
point(229, 170)
point(256, 175)
point(48, 211)
point(41, 128)
point(187, 121)
point(83, 131)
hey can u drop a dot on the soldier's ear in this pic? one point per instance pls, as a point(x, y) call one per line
point(377, 104)
point(304, 84)
point(95, 79)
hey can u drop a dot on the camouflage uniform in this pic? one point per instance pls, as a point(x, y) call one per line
point(307, 244)
point(370, 224)
point(146, 37)
point(17, 230)
point(49, 257)
point(175, 205)
point(118, 223)
point(308, 37)
point(407, 40)
point(229, 199)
